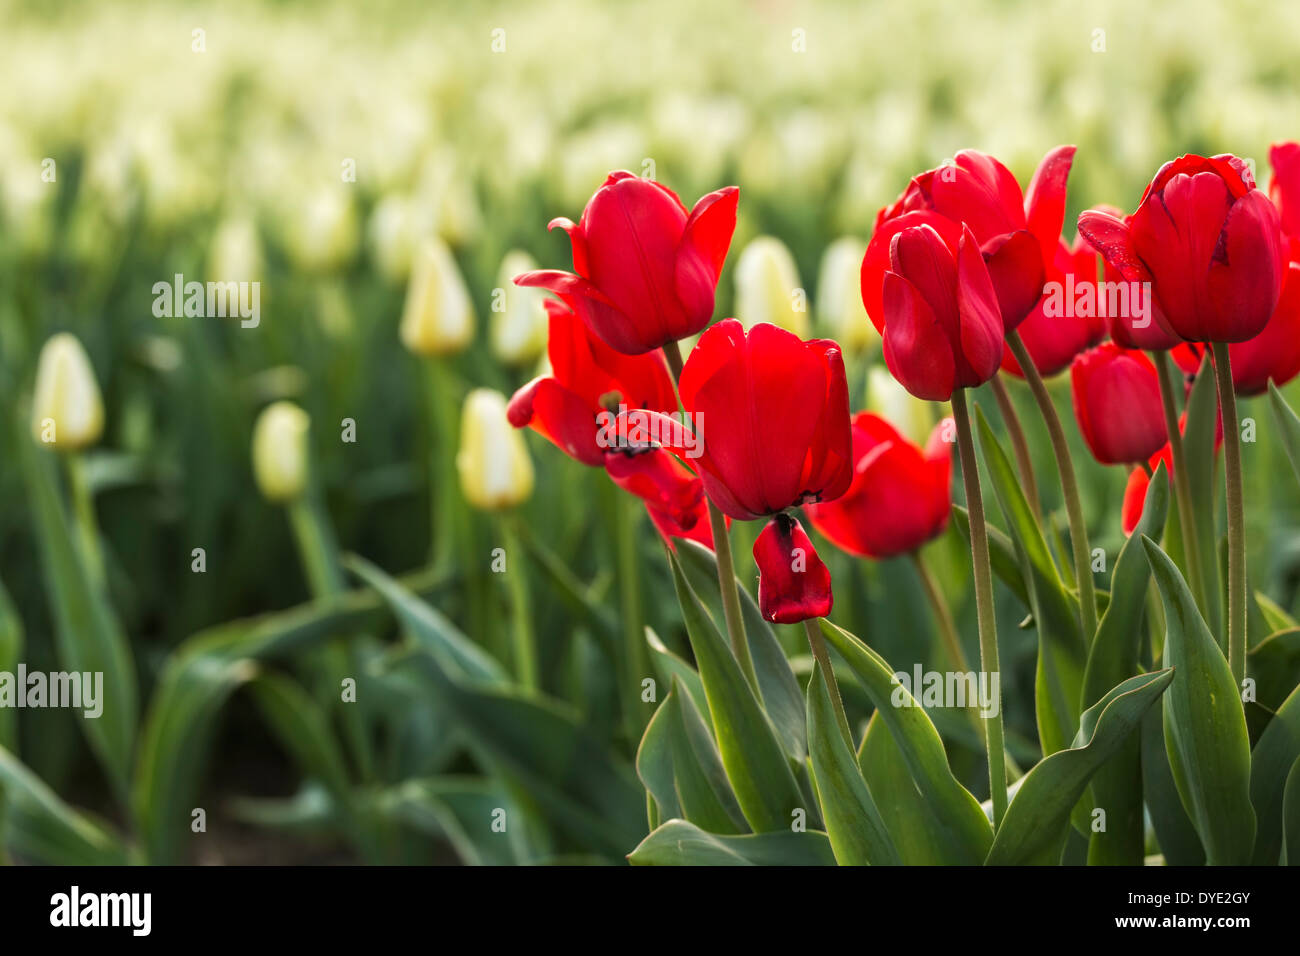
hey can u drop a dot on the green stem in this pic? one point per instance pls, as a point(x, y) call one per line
point(525, 642)
point(1069, 488)
point(988, 625)
point(947, 628)
point(730, 594)
point(1018, 444)
point(627, 511)
point(818, 644)
point(83, 509)
point(1182, 483)
point(1236, 516)
point(444, 504)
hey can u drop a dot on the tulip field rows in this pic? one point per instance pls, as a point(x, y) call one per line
point(750, 441)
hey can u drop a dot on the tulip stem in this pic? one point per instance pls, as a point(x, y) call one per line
point(1023, 462)
point(1182, 484)
point(1236, 516)
point(636, 666)
point(444, 505)
point(83, 508)
point(947, 628)
point(823, 658)
point(1069, 488)
point(730, 589)
point(525, 642)
point(988, 624)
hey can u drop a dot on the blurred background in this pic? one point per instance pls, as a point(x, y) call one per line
point(313, 147)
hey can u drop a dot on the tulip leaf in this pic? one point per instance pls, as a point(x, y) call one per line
point(460, 811)
point(1199, 444)
point(41, 828)
point(701, 780)
point(857, 833)
point(1290, 855)
point(1274, 664)
point(304, 731)
point(1288, 425)
point(1179, 843)
point(1277, 749)
point(670, 667)
point(1275, 616)
point(654, 759)
point(11, 648)
point(781, 697)
point(1113, 657)
point(1205, 725)
point(751, 752)
point(1061, 645)
point(678, 843)
point(1034, 828)
point(1002, 554)
point(960, 823)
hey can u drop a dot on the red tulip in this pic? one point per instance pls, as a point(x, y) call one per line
point(1284, 188)
point(942, 329)
point(1209, 243)
point(1135, 492)
point(1273, 355)
point(589, 379)
point(1117, 404)
point(1063, 324)
point(900, 497)
point(1017, 233)
point(772, 414)
point(646, 268)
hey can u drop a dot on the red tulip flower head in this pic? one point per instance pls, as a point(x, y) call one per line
point(1117, 403)
point(900, 496)
point(1017, 232)
point(772, 417)
point(1207, 240)
point(590, 381)
point(942, 329)
point(645, 268)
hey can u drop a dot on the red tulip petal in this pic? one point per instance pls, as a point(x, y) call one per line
point(1246, 273)
point(577, 242)
point(1015, 264)
point(917, 349)
point(1274, 354)
point(1110, 236)
point(1045, 199)
point(657, 479)
point(793, 583)
point(1284, 188)
point(558, 415)
point(698, 530)
point(703, 250)
point(876, 261)
point(1135, 494)
point(981, 330)
point(595, 309)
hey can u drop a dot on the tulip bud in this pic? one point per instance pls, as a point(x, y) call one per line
point(438, 318)
point(323, 233)
point(1117, 403)
point(518, 325)
point(913, 417)
point(839, 295)
point(280, 452)
point(768, 289)
point(236, 252)
point(67, 410)
point(391, 233)
point(495, 470)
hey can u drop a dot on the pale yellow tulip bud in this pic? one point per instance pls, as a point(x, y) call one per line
point(495, 470)
point(519, 323)
point(280, 454)
point(67, 410)
point(438, 318)
point(768, 289)
point(913, 417)
point(839, 295)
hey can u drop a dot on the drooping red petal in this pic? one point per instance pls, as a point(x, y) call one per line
point(657, 479)
point(558, 415)
point(1045, 199)
point(594, 308)
point(577, 242)
point(793, 583)
point(702, 251)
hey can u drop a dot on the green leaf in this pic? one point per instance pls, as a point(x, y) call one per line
point(461, 811)
point(42, 828)
point(1113, 657)
point(961, 825)
point(857, 833)
point(88, 635)
point(1274, 614)
point(701, 780)
point(755, 761)
point(910, 822)
point(11, 648)
point(1274, 663)
point(1062, 648)
point(1175, 833)
point(1288, 425)
point(1034, 829)
point(304, 731)
point(456, 653)
point(678, 843)
point(654, 759)
point(1002, 554)
point(670, 667)
point(1290, 855)
point(1275, 752)
point(781, 697)
point(1199, 450)
point(1205, 725)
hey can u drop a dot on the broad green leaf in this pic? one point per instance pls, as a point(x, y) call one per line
point(701, 780)
point(456, 653)
point(910, 822)
point(756, 764)
point(678, 843)
point(11, 648)
point(961, 825)
point(303, 730)
point(1175, 833)
point(462, 811)
point(1270, 763)
point(1034, 829)
point(781, 697)
point(1274, 664)
point(1288, 426)
point(1290, 855)
point(1202, 426)
point(42, 828)
point(1274, 614)
point(88, 635)
point(857, 833)
point(1002, 554)
point(1062, 648)
point(1113, 657)
point(1205, 725)
point(654, 759)
point(669, 667)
